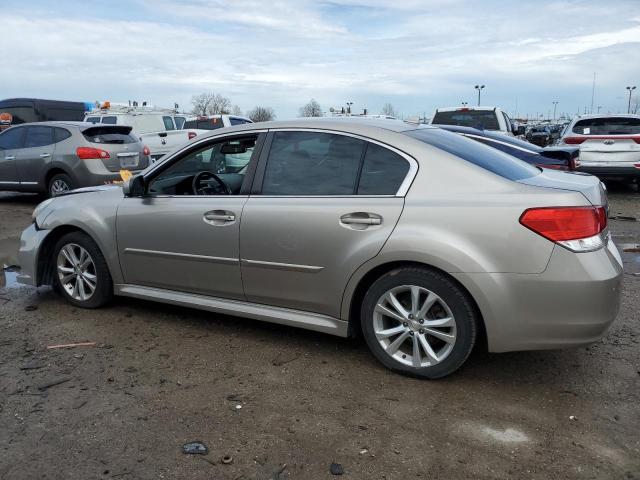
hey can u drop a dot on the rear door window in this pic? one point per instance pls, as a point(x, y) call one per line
point(168, 123)
point(608, 126)
point(38, 137)
point(312, 164)
point(480, 119)
point(383, 171)
point(179, 122)
point(12, 138)
point(110, 120)
point(483, 156)
point(61, 134)
point(92, 119)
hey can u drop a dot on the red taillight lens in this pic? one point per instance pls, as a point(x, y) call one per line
point(146, 151)
point(636, 139)
point(565, 223)
point(574, 140)
point(89, 153)
point(192, 135)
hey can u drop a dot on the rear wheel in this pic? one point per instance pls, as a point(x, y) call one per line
point(419, 322)
point(59, 184)
point(81, 272)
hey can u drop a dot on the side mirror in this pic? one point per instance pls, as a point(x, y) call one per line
point(134, 187)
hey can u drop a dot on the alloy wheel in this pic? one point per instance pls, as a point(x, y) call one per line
point(77, 272)
point(414, 326)
point(59, 186)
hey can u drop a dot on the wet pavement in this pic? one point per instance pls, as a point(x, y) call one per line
point(271, 402)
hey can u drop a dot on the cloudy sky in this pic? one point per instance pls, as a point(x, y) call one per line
point(416, 54)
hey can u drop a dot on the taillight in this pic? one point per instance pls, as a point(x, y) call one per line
point(192, 135)
point(145, 151)
point(90, 153)
point(574, 140)
point(552, 167)
point(576, 228)
point(636, 165)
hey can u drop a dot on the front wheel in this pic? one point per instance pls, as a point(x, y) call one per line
point(419, 322)
point(81, 272)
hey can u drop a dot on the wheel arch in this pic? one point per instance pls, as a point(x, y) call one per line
point(368, 278)
point(53, 171)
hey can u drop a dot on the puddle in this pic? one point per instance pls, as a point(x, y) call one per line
point(9, 278)
point(630, 253)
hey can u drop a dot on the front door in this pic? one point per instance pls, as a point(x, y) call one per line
point(183, 234)
point(327, 203)
point(11, 140)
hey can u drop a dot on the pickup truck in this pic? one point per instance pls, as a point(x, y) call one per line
point(156, 128)
point(492, 119)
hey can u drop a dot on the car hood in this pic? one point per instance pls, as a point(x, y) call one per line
point(98, 188)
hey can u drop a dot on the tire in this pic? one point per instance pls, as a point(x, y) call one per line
point(59, 183)
point(95, 288)
point(449, 327)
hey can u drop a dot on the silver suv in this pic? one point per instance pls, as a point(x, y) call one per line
point(417, 238)
point(54, 157)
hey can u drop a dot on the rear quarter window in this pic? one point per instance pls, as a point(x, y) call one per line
point(474, 152)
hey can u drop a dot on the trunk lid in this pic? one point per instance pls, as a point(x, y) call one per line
point(588, 185)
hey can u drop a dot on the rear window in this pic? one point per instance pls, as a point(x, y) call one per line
point(206, 124)
point(482, 120)
point(608, 126)
point(109, 136)
point(474, 152)
point(238, 121)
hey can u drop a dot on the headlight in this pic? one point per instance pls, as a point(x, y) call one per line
point(40, 208)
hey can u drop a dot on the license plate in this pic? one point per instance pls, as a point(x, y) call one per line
point(128, 161)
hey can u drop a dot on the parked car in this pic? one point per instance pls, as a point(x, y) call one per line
point(422, 240)
point(609, 145)
point(213, 122)
point(483, 118)
point(14, 111)
point(156, 128)
point(55, 157)
point(538, 135)
point(557, 158)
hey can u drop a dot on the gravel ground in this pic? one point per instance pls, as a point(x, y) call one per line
point(286, 403)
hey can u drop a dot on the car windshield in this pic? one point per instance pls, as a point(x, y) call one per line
point(608, 126)
point(481, 119)
point(474, 152)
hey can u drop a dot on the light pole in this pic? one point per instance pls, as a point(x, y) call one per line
point(599, 107)
point(555, 104)
point(464, 104)
point(349, 107)
point(631, 89)
point(479, 88)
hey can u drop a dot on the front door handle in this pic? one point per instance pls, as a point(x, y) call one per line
point(45, 155)
point(361, 220)
point(219, 217)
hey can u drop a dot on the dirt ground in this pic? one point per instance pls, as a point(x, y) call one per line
point(286, 403)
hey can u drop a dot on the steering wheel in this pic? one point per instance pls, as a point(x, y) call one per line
point(201, 184)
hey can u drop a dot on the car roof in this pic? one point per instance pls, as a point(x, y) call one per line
point(454, 109)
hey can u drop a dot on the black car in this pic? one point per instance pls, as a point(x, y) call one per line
point(539, 135)
point(557, 158)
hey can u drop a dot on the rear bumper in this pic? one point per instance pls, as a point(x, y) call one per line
point(572, 303)
point(30, 243)
point(96, 173)
point(610, 170)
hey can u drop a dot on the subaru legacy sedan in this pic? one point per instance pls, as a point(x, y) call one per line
point(421, 240)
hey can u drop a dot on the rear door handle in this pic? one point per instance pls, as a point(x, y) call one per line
point(362, 219)
point(45, 155)
point(10, 157)
point(219, 217)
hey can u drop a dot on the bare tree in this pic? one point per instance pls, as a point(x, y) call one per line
point(261, 114)
point(210, 103)
point(235, 110)
point(311, 109)
point(387, 109)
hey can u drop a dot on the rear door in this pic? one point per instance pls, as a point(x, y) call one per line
point(11, 140)
point(322, 204)
point(31, 160)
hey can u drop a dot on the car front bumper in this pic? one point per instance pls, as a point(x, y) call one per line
point(30, 243)
point(572, 303)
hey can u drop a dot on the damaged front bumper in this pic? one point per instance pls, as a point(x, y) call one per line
point(30, 243)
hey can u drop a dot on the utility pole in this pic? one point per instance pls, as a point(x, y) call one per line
point(479, 88)
point(349, 107)
point(555, 104)
point(593, 92)
point(599, 107)
point(631, 89)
